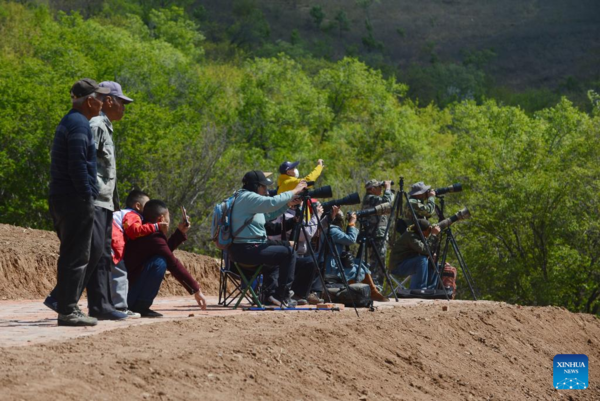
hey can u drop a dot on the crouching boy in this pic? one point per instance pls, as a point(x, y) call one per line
point(148, 258)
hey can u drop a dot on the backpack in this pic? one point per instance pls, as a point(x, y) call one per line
point(220, 229)
point(358, 292)
point(449, 278)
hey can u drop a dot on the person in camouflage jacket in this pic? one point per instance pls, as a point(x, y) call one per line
point(378, 192)
point(422, 199)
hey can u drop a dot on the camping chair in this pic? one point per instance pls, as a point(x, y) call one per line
point(236, 279)
point(398, 285)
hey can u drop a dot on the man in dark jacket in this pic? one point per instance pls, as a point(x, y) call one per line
point(148, 258)
point(73, 189)
point(410, 257)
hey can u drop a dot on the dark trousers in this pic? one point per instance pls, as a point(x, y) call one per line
point(145, 288)
point(73, 218)
point(280, 256)
point(97, 274)
point(305, 270)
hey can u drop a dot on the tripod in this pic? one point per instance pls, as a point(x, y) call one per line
point(397, 208)
point(450, 240)
point(300, 226)
point(367, 242)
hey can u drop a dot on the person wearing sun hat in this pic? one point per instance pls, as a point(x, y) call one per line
point(422, 200)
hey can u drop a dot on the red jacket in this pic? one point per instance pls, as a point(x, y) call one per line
point(140, 250)
point(127, 225)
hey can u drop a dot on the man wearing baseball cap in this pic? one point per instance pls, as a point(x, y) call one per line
point(98, 276)
point(98, 273)
point(376, 195)
point(73, 188)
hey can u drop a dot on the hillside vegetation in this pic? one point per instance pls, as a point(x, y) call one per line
point(199, 122)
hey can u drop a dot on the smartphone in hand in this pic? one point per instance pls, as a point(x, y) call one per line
point(184, 217)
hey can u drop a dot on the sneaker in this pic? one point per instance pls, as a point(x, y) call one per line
point(51, 303)
point(130, 314)
point(112, 315)
point(149, 313)
point(289, 303)
point(314, 299)
point(300, 301)
point(76, 318)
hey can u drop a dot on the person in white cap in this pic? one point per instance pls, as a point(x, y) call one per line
point(100, 303)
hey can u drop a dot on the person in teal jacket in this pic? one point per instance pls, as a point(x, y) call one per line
point(252, 208)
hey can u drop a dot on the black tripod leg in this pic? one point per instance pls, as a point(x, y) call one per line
point(316, 268)
point(463, 266)
point(382, 266)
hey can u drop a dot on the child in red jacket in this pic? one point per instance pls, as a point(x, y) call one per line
point(127, 225)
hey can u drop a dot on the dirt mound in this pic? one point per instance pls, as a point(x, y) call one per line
point(474, 351)
point(28, 265)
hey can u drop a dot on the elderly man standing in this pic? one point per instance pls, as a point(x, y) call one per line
point(98, 287)
point(73, 188)
point(98, 273)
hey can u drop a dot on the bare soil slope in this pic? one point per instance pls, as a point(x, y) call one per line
point(28, 265)
point(474, 351)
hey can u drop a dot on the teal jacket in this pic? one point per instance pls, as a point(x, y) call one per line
point(258, 209)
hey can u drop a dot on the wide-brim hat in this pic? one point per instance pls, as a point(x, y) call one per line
point(256, 177)
point(418, 188)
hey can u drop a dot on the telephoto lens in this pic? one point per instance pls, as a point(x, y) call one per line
point(452, 188)
point(379, 210)
point(352, 199)
point(463, 214)
point(323, 192)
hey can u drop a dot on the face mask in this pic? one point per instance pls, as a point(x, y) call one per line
point(296, 173)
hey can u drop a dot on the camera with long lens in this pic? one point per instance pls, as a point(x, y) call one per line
point(323, 192)
point(352, 199)
point(452, 188)
point(379, 210)
point(273, 192)
point(463, 214)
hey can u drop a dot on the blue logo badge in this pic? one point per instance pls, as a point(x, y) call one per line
point(570, 372)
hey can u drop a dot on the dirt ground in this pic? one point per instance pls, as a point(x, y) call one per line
point(474, 351)
point(28, 265)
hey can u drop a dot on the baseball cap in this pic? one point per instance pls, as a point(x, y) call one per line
point(256, 177)
point(285, 166)
point(115, 90)
point(87, 86)
point(373, 184)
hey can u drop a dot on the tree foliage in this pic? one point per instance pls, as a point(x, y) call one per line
point(196, 125)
